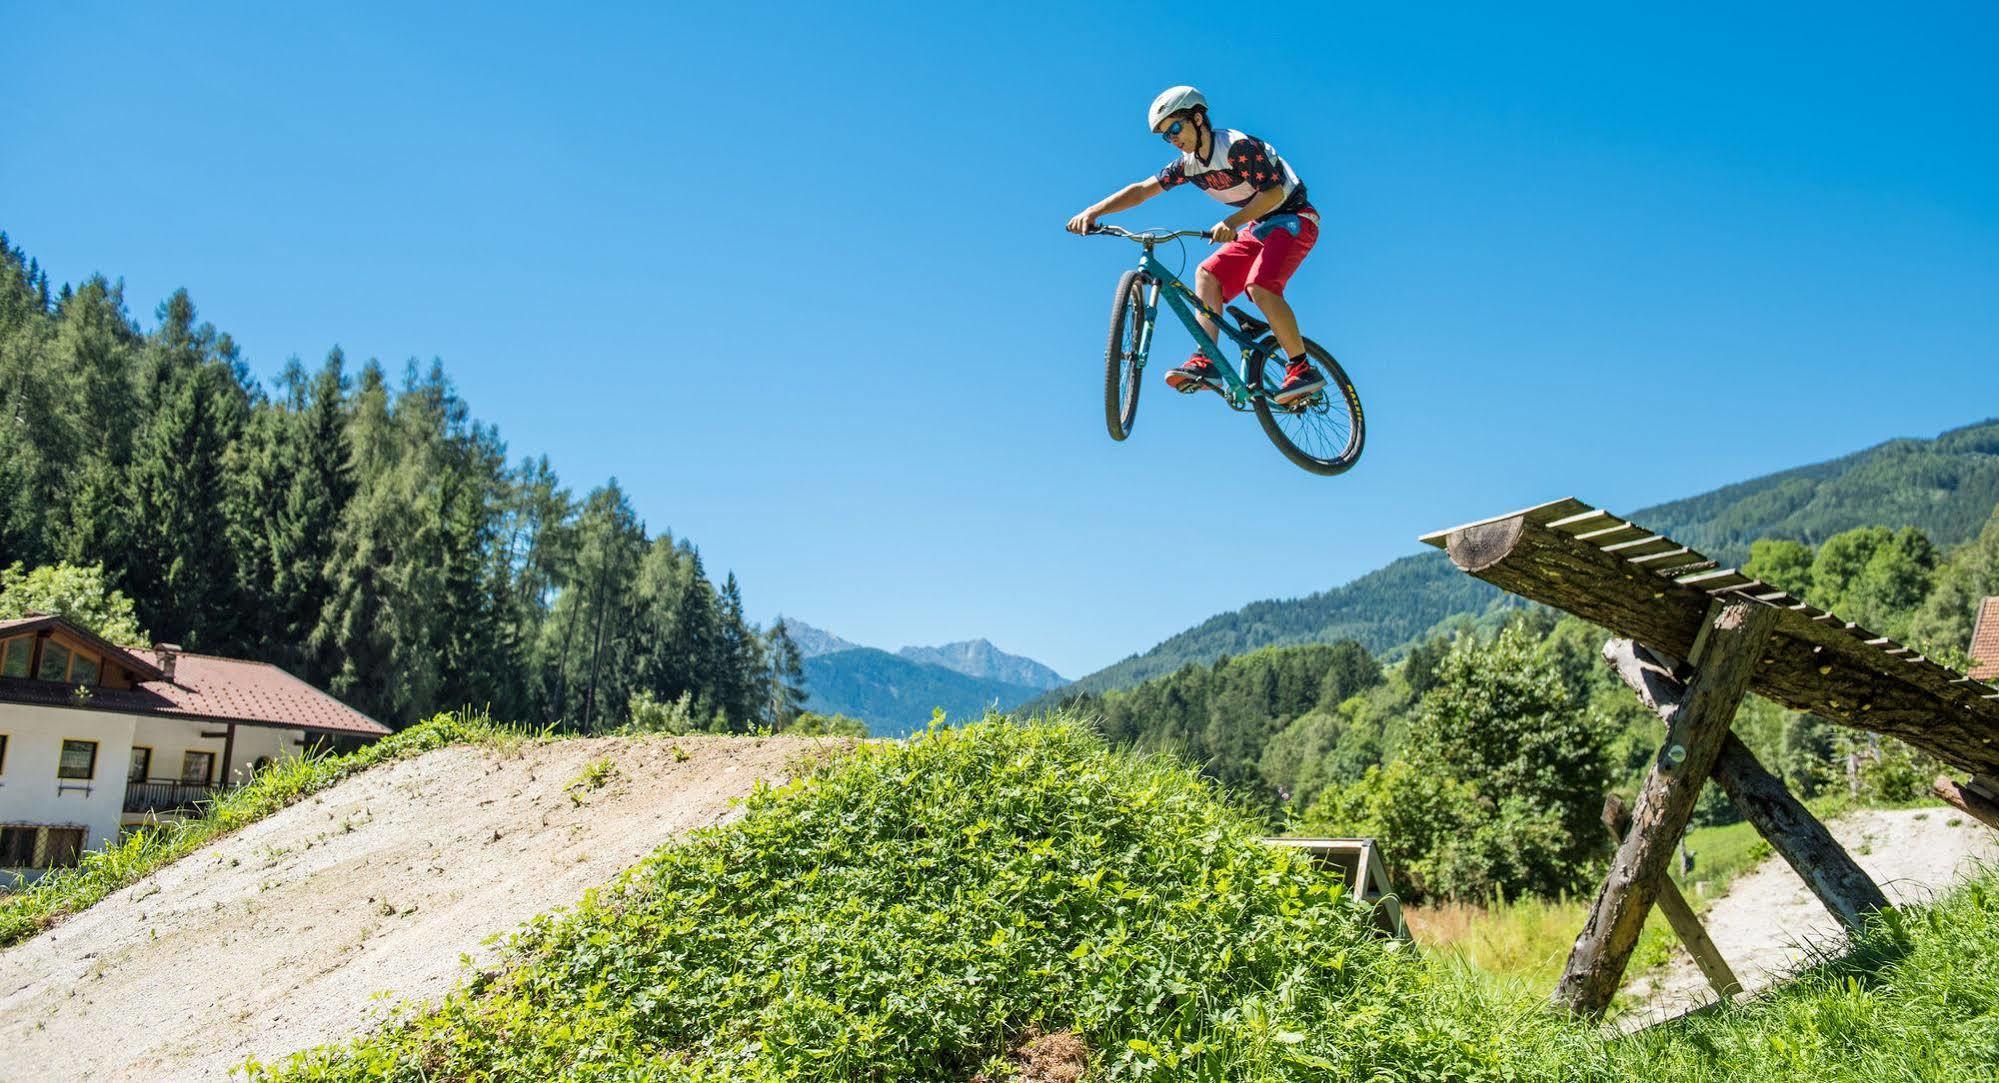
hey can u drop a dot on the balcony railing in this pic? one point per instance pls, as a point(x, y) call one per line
point(167, 795)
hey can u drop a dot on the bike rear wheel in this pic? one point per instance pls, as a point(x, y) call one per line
point(1123, 363)
point(1325, 433)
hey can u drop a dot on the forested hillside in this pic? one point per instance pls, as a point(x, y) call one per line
point(1945, 487)
point(365, 533)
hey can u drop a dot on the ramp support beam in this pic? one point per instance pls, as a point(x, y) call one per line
point(1731, 640)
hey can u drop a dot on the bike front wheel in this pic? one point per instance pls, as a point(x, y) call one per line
point(1124, 362)
point(1325, 433)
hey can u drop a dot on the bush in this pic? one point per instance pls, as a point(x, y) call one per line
point(648, 714)
point(813, 724)
point(1500, 786)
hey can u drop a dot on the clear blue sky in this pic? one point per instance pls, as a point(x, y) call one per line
point(795, 275)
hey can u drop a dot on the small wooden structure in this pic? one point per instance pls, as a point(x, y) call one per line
point(1692, 638)
point(1358, 862)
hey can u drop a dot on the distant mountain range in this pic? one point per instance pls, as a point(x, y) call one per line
point(896, 693)
point(978, 658)
point(813, 642)
point(1947, 487)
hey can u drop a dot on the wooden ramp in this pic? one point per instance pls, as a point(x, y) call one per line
point(1691, 639)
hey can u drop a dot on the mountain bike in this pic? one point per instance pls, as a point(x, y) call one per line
point(1323, 433)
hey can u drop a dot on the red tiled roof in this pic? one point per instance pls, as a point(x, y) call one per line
point(1985, 642)
point(215, 689)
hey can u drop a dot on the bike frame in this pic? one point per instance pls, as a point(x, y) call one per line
point(1185, 304)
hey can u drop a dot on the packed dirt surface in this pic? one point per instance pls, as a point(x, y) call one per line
point(310, 925)
point(1769, 925)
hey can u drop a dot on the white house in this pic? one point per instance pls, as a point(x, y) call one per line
point(95, 737)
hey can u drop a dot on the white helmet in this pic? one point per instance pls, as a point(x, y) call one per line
point(1173, 100)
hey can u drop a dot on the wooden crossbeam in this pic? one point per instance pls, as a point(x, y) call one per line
point(1792, 831)
point(1732, 637)
point(1686, 925)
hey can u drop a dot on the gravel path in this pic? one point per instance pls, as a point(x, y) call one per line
point(1768, 922)
point(307, 926)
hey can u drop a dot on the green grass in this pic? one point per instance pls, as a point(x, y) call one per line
point(1917, 1000)
point(1523, 943)
point(65, 891)
point(1519, 946)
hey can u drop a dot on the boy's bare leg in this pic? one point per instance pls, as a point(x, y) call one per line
point(1209, 289)
point(1283, 322)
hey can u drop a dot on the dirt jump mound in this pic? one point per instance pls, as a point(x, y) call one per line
point(307, 926)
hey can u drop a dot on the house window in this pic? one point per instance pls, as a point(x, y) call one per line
point(3, 753)
point(15, 655)
point(142, 764)
point(17, 847)
point(60, 847)
point(195, 767)
point(83, 668)
point(55, 662)
point(30, 846)
point(79, 760)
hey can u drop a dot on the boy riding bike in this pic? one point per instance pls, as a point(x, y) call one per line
point(1263, 242)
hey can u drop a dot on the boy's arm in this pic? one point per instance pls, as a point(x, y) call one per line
point(1261, 204)
point(1124, 199)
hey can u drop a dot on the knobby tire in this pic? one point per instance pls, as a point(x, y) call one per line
point(1122, 365)
point(1334, 426)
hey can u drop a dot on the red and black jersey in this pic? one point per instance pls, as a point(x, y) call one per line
point(1239, 166)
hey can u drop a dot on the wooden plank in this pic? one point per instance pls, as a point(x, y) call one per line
point(1623, 532)
point(1651, 546)
point(1686, 924)
point(1675, 571)
point(1538, 514)
point(1714, 580)
point(1592, 520)
point(1695, 731)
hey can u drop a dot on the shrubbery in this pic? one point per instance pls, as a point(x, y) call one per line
point(1499, 784)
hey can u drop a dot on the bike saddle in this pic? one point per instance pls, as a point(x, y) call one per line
point(1250, 324)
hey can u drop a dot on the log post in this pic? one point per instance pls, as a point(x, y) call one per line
point(1825, 867)
point(1973, 798)
point(1686, 925)
point(1820, 861)
point(1732, 640)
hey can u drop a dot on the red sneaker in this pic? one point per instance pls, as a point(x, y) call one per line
point(1301, 381)
point(1196, 374)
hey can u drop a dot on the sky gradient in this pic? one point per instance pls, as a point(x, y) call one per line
point(796, 277)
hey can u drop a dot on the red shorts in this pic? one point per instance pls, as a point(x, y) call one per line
point(1267, 259)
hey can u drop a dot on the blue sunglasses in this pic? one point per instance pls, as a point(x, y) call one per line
point(1172, 130)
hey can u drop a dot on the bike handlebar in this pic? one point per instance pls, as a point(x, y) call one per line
point(1150, 238)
